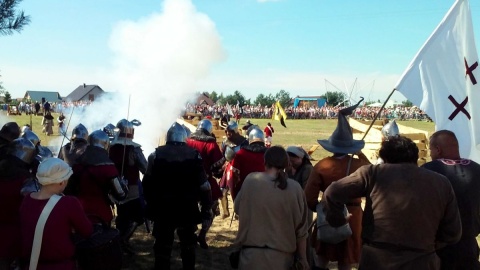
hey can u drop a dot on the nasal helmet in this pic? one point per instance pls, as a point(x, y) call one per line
point(100, 139)
point(176, 133)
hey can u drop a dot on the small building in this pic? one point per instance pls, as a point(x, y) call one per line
point(42, 96)
point(85, 93)
point(203, 98)
point(309, 101)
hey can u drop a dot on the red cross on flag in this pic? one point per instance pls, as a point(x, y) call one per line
point(442, 79)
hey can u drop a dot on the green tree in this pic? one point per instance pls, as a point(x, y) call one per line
point(233, 99)
point(335, 98)
point(284, 98)
point(407, 103)
point(10, 20)
point(264, 100)
point(213, 96)
point(8, 98)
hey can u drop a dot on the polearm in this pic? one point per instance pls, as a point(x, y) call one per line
point(125, 141)
point(63, 133)
point(364, 135)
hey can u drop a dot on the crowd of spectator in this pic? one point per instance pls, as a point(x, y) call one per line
point(312, 112)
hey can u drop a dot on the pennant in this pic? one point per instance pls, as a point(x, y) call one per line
point(442, 79)
point(279, 114)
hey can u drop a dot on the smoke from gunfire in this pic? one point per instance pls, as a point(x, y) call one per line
point(158, 61)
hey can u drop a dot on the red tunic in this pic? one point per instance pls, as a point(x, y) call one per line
point(244, 163)
point(210, 153)
point(268, 131)
point(57, 247)
point(10, 200)
point(94, 188)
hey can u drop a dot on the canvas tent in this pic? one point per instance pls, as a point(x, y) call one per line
point(299, 101)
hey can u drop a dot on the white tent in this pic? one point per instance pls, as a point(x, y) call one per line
point(376, 104)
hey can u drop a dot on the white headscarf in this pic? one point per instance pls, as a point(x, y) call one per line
point(53, 170)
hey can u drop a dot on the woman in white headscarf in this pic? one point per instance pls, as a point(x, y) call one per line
point(57, 248)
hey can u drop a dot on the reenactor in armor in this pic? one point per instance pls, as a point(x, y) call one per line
point(9, 132)
point(77, 145)
point(129, 161)
point(205, 143)
point(14, 177)
point(110, 130)
point(42, 152)
point(95, 180)
point(247, 160)
point(230, 146)
point(174, 184)
point(388, 130)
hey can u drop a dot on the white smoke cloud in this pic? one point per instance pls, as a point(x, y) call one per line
point(158, 62)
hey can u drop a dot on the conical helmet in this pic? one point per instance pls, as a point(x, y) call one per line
point(23, 149)
point(176, 133)
point(100, 139)
point(80, 132)
point(390, 129)
point(256, 135)
point(206, 125)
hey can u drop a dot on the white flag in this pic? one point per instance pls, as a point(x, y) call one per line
point(444, 79)
point(229, 109)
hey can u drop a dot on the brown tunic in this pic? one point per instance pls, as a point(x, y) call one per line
point(409, 212)
point(325, 172)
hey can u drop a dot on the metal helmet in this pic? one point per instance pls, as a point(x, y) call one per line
point(100, 139)
point(206, 125)
point(23, 149)
point(10, 131)
point(229, 153)
point(26, 127)
point(233, 126)
point(80, 132)
point(110, 130)
point(29, 135)
point(126, 129)
point(187, 130)
point(390, 129)
point(256, 135)
point(176, 133)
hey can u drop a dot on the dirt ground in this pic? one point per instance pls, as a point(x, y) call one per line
point(220, 238)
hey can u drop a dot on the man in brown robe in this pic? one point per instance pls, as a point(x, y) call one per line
point(410, 211)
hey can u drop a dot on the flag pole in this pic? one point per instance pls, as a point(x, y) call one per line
point(378, 114)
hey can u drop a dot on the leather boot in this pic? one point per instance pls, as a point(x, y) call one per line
point(224, 201)
point(202, 239)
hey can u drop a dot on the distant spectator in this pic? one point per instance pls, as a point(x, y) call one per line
point(46, 107)
point(37, 107)
point(47, 123)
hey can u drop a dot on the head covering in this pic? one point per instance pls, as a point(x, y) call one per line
point(390, 129)
point(52, 171)
point(341, 141)
point(295, 151)
point(248, 121)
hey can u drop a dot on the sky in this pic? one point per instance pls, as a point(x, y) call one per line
point(165, 48)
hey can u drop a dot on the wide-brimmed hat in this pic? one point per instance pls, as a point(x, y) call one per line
point(341, 141)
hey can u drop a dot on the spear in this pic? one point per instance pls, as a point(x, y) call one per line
point(63, 133)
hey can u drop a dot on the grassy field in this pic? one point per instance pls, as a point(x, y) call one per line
point(223, 231)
